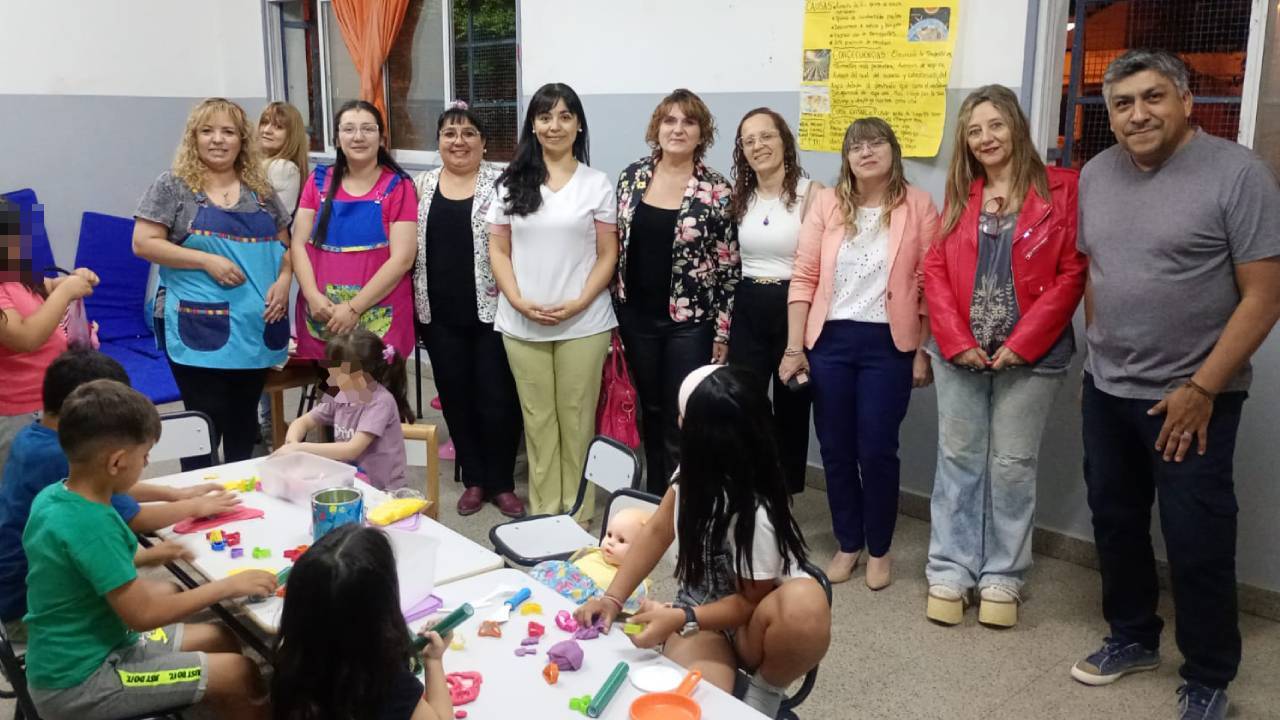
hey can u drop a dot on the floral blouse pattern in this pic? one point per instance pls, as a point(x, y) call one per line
point(486, 286)
point(705, 262)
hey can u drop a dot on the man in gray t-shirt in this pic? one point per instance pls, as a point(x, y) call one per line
point(1182, 230)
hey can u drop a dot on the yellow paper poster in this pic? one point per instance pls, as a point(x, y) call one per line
point(888, 58)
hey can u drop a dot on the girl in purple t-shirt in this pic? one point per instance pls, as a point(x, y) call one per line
point(365, 408)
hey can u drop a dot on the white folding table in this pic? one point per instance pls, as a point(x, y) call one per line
point(513, 686)
point(287, 525)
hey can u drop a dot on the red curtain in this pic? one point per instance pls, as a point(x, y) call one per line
point(369, 27)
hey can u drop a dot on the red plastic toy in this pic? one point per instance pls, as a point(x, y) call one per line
point(232, 539)
point(464, 687)
point(192, 525)
point(536, 629)
point(294, 553)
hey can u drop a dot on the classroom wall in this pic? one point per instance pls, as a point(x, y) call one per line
point(97, 93)
point(740, 54)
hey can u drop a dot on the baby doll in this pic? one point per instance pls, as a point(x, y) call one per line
point(588, 572)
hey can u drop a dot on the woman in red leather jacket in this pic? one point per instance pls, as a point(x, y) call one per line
point(1001, 286)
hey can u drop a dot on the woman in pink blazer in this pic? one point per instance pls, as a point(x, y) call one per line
point(857, 306)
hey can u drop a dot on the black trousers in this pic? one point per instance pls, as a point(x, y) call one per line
point(230, 399)
point(757, 339)
point(479, 401)
point(1198, 508)
point(661, 353)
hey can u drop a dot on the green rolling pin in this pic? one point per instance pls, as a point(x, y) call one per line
point(450, 621)
point(610, 687)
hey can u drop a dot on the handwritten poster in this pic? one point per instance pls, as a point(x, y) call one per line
point(888, 58)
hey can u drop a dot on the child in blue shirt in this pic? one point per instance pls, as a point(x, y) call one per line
point(36, 461)
point(86, 605)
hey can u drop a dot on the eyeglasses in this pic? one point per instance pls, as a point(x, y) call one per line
point(466, 134)
point(752, 140)
point(859, 147)
point(353, 130)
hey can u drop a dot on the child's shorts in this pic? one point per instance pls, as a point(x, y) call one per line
point(145, 677)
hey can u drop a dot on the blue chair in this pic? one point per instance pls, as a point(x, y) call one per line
point(118, 304)
point(41, 251)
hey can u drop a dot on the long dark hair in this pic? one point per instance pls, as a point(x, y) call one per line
point(745, 181)
point(17, 226)
point(364, 350)
point(340, 163)
point(729, 466)
point(526, 173)
point(342, 638)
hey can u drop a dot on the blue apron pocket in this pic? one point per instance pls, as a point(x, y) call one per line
point(204, 326)
point(276, 334)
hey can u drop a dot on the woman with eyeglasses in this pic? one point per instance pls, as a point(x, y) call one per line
point(1002, 284)
point(855, 304)
point(677, 270)
point(457, 297)
point(353, 240)
point(770, 196)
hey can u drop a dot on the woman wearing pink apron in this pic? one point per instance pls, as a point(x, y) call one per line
point(354, 240)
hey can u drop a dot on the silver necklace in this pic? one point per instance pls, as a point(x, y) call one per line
point(773, 206)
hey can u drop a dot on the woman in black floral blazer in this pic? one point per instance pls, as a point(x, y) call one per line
point(677, 269)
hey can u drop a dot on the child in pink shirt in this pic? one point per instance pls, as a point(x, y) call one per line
point(31, 334)
point(365, 409)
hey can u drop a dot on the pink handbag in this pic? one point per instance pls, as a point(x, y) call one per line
point(80, 333)
point(616, 411)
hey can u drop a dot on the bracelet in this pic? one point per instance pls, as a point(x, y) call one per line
point(352, 308)
point(613, 600)
point(792, 352)
point(1193, 385)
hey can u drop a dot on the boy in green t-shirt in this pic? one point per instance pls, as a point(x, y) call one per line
point(86, 604)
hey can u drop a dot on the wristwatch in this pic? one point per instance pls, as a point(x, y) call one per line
point(690, 627)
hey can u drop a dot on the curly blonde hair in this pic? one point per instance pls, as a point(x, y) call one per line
point(188, 166)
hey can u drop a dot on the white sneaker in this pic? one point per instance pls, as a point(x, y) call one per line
point(999, 606)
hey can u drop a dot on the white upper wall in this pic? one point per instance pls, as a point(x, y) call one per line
point(723, 46)
point(130, 47)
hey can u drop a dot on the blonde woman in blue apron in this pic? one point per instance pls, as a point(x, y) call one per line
point(219, 235)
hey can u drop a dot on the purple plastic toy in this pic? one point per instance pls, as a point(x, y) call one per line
point(522, 651)
point(566, 654)
point(530, 641)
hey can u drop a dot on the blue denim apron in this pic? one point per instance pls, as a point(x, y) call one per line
point(355, 248)
point(211, 326)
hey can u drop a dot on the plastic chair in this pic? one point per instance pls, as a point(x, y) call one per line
point(528, 541)
point(421, 449)
point(41, 251)
point(185, 434)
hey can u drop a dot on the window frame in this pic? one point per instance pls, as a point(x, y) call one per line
point(273, 46)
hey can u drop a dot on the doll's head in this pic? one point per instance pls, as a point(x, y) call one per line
point(623, 530)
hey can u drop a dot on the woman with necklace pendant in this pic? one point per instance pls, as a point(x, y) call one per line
point(856, 305)
point(770, 197)
point(676, 272)
point(1002, 282)
point(219, 233)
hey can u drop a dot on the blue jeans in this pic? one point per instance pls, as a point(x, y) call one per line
point(1197, 503)
point(861, 387)
point(984, 492)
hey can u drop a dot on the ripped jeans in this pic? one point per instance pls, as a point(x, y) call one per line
point(984, 492)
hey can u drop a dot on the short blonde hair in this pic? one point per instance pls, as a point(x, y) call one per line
point(188, 166)
point(692, 106)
